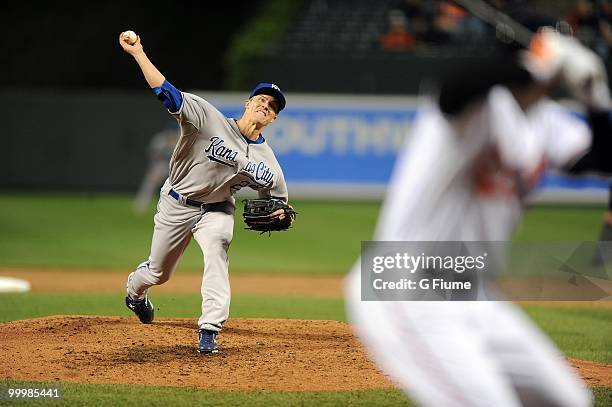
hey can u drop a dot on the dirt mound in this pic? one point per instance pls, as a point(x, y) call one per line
point(272, 354)
point(594, 373)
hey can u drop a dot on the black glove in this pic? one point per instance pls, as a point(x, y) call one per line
point(258, 214)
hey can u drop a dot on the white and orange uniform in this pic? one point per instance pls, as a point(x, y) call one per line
point(464, 179)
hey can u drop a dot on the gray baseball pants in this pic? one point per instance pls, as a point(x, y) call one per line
point(175, 224)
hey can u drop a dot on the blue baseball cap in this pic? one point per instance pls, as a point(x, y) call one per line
point(272, 90)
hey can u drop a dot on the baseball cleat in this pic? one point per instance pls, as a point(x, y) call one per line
point(142, 308)
point(207, 341)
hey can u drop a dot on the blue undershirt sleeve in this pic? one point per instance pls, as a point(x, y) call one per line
point(170, 96)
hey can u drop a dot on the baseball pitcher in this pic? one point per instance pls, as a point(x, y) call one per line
point(214, 158)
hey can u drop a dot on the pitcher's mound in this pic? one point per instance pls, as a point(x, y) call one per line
point(272, 354)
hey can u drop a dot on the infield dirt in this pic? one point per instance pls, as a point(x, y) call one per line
point(271, 354)
point(256, 354)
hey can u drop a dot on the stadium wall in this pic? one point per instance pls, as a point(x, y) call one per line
point(330, 146)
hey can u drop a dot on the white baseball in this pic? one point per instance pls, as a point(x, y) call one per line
point(130, 36)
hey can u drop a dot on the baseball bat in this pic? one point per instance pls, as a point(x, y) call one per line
point(501, 21)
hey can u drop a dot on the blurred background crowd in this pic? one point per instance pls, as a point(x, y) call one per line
point(418, 25)
point(223, 47)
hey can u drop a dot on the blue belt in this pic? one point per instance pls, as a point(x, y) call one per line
point(225, 206)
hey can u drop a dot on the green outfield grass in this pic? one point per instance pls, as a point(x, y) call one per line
point(102, 231)
point(121, 395)
point(581, 333)
point(76, 230)
point(15, 306)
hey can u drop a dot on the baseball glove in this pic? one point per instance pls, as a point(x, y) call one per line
point(258, 214)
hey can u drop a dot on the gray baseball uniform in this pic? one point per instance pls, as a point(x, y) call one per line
point(211, 162)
